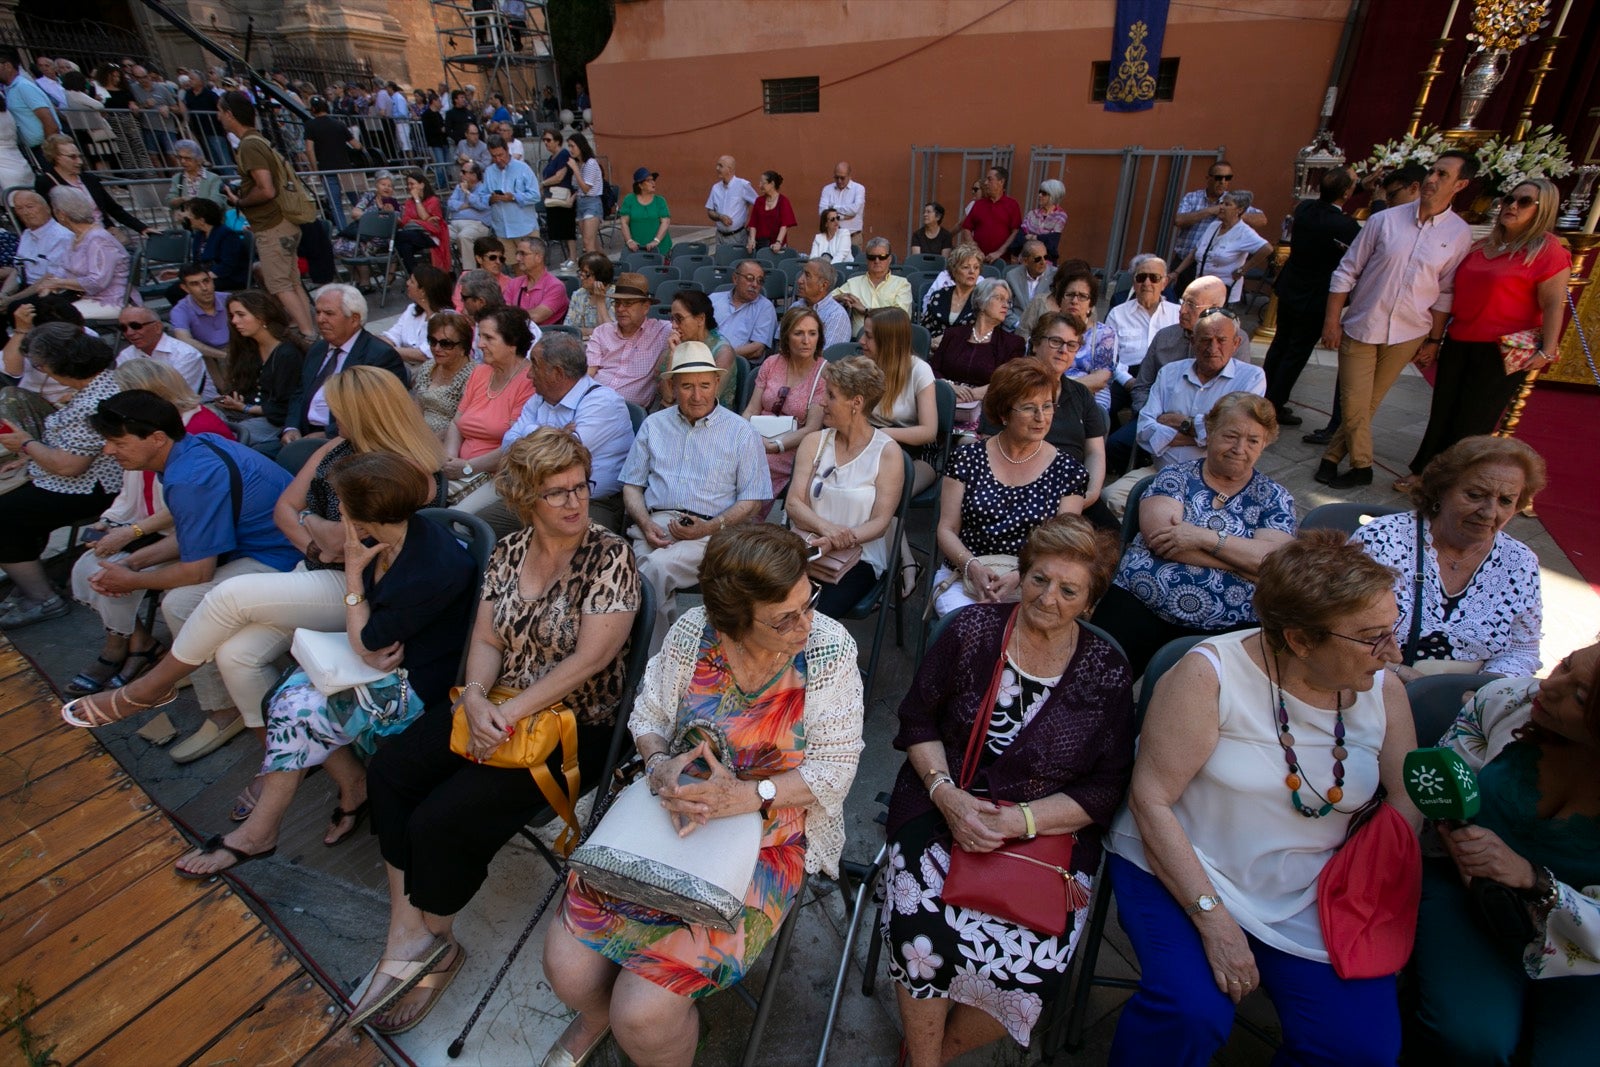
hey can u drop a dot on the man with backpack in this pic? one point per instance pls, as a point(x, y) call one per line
point(276, 203)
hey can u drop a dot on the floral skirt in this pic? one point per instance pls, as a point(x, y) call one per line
point(304, 727)
point(936, 950)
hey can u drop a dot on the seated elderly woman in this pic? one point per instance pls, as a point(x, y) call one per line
point(96, 268)
point(847, 482)
point(1487, 996)
point(245, 623)
point(70, 479)
point(439, 384)
point(1217, 855)
point(1481, 604)
point(1204, 528)
point(1065, 694)
point(496, 392)
point(780, 684)
point(1228, 247)
point(408, 600)
point(381, 197)
point(553, 621)
point(789, 384)
point(265, 358)
point(1079, 426)
point(139, 514)
point(967, 355)
point(996, 491)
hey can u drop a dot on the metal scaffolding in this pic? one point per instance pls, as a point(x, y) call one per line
point(483, 42)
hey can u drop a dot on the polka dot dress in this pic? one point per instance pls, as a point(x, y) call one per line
point(998, 518)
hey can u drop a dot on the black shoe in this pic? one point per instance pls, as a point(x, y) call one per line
point(1319, 437)
point(1353, 478)
point(1327, 471)
point(1287, 417)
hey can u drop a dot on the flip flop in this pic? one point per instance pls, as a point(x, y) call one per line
point(435, 982)
point(402, 975)
point(339, 815)
point(148, 659)
point(214, 843)
point(84, 715)
point(83, 683)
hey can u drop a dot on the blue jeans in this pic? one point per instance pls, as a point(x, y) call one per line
point(589, 207)
point(441, 163)
point(1120, 444)
point(1179, 1018)
point(335, 202)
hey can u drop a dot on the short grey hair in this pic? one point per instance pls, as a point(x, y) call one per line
point(1053, 189)
point(1242, 197)
point(350, 298)
point(1145, 257)
point(1034, 242)
point(564, 353)
point(480, 285)
point(535, 244)
point(880, 242)
point(191, 147)
point(378, 176)
point(762, 267)
point(985, 290)
point(74, 203)
point(19, 195)
point(824, 270)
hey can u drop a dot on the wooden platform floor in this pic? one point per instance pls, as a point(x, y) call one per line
point(106, 957)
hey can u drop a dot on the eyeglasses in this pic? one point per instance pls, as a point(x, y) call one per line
point(1523, 201)
point(1148, 278)
point(129, 327)
point(1075, 294)
point(1034, 259)
point(1061, 344)
point(1222, 177)
point(678, 316)
point(756, 278)
point(787, 623)
point(1034, 411)
point(560, 498)
point(445, 342)
point(1374, 644)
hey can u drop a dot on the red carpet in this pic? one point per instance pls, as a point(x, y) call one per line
point(1563, 424)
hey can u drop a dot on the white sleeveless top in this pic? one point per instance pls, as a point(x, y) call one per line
point(848, 491)
point(1262, 856)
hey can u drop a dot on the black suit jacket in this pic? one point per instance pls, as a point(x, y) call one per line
point(369, 351)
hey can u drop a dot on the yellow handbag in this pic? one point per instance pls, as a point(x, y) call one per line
point(529, 746)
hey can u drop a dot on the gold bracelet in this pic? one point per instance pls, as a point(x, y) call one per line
point(1030, 829)
point(138, 531)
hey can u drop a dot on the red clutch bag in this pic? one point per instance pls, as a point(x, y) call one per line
point(1368, 895)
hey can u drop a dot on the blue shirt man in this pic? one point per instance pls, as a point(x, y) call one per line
point(513, 193)
point(23, 100)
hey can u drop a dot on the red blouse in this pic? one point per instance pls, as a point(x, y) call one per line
point(1498, 296)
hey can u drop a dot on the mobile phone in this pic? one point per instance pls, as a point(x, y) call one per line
point(685, 520)
point(89, 535)
point(815, 553)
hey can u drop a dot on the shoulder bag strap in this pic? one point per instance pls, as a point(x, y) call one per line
point(1409, 653)
point(980, 726)
point(235, 478)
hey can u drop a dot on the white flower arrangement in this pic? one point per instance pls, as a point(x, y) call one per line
point(1421, 147)
point(1503, 163)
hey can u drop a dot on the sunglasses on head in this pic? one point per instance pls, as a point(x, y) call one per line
point(1147, 277)
point(1208, 312)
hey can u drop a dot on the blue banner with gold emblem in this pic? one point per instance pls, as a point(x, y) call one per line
point(1136, 54)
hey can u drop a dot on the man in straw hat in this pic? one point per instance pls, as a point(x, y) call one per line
point(694, 468)
point(623, 354)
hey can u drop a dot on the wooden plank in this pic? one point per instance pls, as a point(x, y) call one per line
point(92, 875)
point(26, 764)
point(88, 927)
point(11, 661)
point(194, 1014)
point(343, 1049)
point(58, 792)
point(99, 1005)
point(293, 1021)
point(29, 708)
point(72, 833)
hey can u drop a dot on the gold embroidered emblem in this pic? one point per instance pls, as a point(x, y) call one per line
point(1133, 83)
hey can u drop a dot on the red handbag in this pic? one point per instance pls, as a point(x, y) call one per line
point(1026, 882)
point(1368, 895)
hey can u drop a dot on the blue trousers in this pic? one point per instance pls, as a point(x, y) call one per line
point(1179, 1018)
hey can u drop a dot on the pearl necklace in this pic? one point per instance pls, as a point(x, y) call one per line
point(984, 339)
point(1000, 448)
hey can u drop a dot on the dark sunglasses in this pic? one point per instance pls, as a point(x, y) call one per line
point(445, 342)
point(1523, 201)
point(822, 477)
point(498, 257)
point(1222, 177)
point(1147, 278)
point(876, 258)
point(783, 398)
point(129, 327)
point(1034, 259)
point(831, 218)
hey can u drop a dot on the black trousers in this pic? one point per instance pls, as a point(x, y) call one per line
point(440, 818)
point(1299, 330)
point(29, 515)
point(412, 244)
point(1470, 393)
point(1140, 631)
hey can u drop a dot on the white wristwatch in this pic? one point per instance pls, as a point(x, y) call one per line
point(352, 599)
point(1203, 903)
point(466, 470)
point(768, 792)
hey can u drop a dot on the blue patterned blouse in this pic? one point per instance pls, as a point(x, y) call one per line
point(1207, 598)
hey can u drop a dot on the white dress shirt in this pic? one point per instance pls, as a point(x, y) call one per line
point(317, 407)
point(733, 199)
point(1398, 271)
point(850, 202)
point(43, 251)
point(1135, 328)
point(181, 357)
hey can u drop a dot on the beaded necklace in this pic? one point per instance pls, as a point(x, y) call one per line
point(1296, 776)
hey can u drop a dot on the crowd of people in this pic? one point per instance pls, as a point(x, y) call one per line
point(257, 462)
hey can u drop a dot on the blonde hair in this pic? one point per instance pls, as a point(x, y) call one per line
point(1531, 242)
point(376, 414)
point(160, 379)
point(891, 337)
point(532, 461)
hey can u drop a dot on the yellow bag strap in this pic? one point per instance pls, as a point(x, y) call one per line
point(564, 803)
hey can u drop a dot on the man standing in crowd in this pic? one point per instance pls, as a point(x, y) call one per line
point(846, 197)
point(814, 289)
point(221, 496)
point(694, 469)
point(264, 180)
point(728, 205)
point(995, 219)
point(1398, 280)
point(877, 288)
point(1198, 208)
point(35, 116)
point(623, 354)
point(1030, 277)
point(746, 319)
point(329, 144)
point(1322, 234)
point(147, 340)
point(513, 196)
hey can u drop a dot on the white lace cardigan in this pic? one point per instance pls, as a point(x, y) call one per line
point(833, 716)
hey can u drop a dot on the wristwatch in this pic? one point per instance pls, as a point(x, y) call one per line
point(768, 793)
point(1205, 902)
point(1186, 427)
point(352, 599)
point(466, 470)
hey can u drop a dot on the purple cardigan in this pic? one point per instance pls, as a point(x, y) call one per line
point(1080, 743)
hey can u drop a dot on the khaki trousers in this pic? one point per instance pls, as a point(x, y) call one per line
point(1366, 372)
point(667, 570)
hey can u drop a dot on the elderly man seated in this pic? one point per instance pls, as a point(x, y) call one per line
point(145, 338)
point(746, 319)
point(1172, 421)
point(814, 289)
point(1030, 277)
point(877, 288)
point(568, 397)
point(1137, 321)
point(695, 468)
point(41, 250)
point(623, 354)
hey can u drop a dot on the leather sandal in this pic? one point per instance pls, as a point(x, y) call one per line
point(84, 682)
point(339, 815)
point(435, 982)
point(146, 660)
point(402, 976)
point(83, 713)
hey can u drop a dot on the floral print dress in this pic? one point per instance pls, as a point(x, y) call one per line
point(766, 731)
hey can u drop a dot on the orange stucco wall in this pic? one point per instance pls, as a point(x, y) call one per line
point(680, 82)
